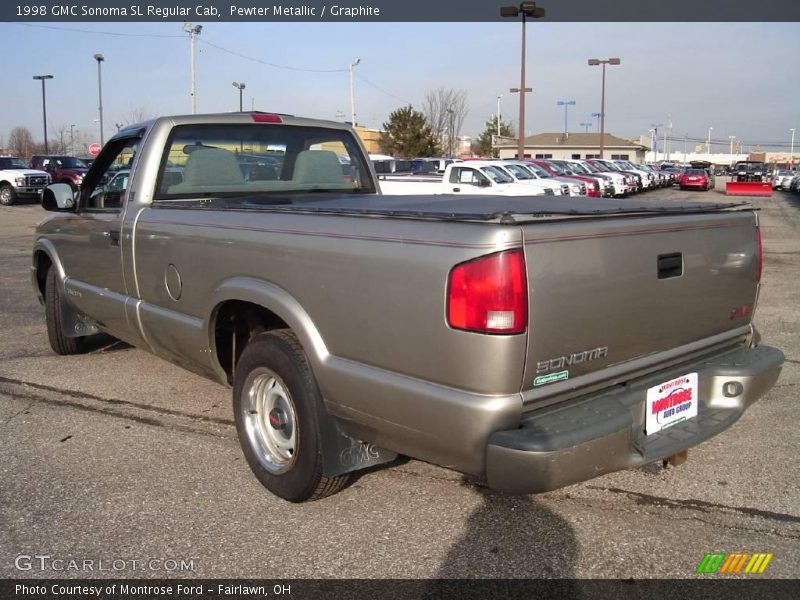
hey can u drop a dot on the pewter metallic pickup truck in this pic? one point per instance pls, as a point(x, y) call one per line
point(534, 342)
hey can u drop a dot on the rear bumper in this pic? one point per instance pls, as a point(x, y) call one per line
point(602, 433)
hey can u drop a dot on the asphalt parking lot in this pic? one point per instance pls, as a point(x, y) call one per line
point(118, 455)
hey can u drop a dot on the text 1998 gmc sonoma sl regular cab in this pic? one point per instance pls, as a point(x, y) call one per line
point(533, 342)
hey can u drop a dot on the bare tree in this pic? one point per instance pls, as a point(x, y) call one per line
point(445, 109)
point(20, 142)
point(135, 115)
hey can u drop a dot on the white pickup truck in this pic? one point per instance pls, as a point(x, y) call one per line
point(467, 177)
point(18, 181)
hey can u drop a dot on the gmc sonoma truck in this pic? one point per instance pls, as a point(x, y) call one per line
point(533, 342)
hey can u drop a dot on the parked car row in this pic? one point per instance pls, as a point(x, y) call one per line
point(790, 184)
point(21, 179)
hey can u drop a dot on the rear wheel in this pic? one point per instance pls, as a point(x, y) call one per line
point(7, 195)
point(60, 343)
point(278, 409)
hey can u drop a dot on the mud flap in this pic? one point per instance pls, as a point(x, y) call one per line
point(342, 454)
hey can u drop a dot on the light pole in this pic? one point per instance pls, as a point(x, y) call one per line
point(526, 9)
point(791, 152)
point(708, 141)
point(593, 62)
point(193, 31)
point(731, 138)
point(597, 116)
point(72, 138)
point(240, 87)
point(586, 127)
point(566, 104)
point(498, 115)
point(44, 78)
point(353, 65)
point(99, 58)
point(655, 140)
point(450, 132)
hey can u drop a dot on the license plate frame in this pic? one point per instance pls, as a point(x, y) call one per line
point(671, 402)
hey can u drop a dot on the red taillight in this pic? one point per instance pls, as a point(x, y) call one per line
point(760, 257)
point(266, 118)
point(489, 294)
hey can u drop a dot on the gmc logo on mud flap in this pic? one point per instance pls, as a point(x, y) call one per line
point(358, 454)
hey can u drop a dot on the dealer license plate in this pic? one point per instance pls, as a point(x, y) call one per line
point(671, 402)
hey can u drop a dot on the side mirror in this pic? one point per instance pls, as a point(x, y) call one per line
point(58, 197)
point(485, 183)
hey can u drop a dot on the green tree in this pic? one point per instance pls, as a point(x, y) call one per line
point(408, 134)
point(484, 143)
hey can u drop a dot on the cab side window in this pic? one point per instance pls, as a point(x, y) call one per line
point(109, 184)
point(467, 176)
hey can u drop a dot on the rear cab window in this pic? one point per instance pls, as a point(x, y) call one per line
point(260, 160)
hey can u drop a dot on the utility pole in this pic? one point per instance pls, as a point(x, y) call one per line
point(353, 65)
point(498, 115)
point(593, 62)
point(193, 31)
point(99, 58)
point(44, 78)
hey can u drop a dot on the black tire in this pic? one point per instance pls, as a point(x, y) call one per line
point(8, 195)
point(277, 355)
point(60, 343)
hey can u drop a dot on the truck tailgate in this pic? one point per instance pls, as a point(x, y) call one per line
point(606, 292)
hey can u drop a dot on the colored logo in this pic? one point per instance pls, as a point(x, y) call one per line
point(551, 378)
point(734, 563)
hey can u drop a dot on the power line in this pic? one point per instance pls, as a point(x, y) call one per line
point(369, 83)
point(112, 33)
point(267, 63)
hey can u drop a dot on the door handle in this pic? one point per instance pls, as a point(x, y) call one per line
point(113, 237)
point(456, 189)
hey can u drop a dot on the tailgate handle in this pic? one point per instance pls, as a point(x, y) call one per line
point(670, 265)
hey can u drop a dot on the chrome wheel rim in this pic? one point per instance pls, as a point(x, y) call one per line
point(270, 420)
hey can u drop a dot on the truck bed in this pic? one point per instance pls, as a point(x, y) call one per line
point(458, 208)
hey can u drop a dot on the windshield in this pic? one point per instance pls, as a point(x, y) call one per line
point(70, 162)
point(577, 169)
point(497, 175)
point(539, 170)
point(519, 172)
point(598, 167)
point(625, 165)
point(12, 163)
point(260, 159)
point(559, 168)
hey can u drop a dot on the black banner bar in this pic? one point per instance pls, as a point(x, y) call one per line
point(209, 11)
point(398, 589)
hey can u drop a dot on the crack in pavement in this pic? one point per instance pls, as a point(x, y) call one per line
point(115, 402)
point(700, 505)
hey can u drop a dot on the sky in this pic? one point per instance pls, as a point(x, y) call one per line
point(739, 78)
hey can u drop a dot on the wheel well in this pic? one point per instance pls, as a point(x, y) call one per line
point(234, 324)
point(43, 264)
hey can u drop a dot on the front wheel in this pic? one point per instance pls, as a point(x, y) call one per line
point(7, 195)
point(278, 408)
point(59, 342)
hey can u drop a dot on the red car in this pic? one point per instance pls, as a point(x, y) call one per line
point(694, 178)
point(592, 186)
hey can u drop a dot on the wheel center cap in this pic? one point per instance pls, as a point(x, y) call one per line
point(277, 418)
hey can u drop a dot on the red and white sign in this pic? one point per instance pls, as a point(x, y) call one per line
point(671, 402)
point(94, 149)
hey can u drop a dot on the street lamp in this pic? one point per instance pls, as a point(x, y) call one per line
point(566, 104)
point(240, 87)
point(450, 128)
point(791, 152)
point(526, 9)
point(193, 32)
point(593, 62)
point(708, 141)
point(597, 116)
point(72, 138)
point(353, 65)
point(654, 139)
point(498, 115)
point(43, 78)
point(586, 127)
point(99, 58)
point(731, 138)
